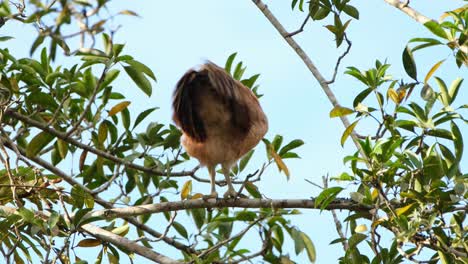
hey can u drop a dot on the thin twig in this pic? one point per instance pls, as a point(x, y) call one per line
point(300, 29)
point(337, 65)
point(310, 65)
point(224, 242)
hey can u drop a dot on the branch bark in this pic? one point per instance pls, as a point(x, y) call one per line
point(339, 203)
point(403, 7)
point(114, 239)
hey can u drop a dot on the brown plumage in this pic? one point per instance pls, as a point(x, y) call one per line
point(220, 118)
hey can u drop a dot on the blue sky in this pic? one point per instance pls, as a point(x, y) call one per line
point(173, 36)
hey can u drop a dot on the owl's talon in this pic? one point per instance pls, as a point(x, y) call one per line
point(231, 193)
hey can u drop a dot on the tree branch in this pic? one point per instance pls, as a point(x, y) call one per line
point(310, 65)
point(114, 239)
point(339, 203)
point(100, 201)
point(63, 136)
point(403, 6)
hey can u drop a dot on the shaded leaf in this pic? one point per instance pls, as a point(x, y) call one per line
point(38, 143)
point(89, 242)
point(408, 63)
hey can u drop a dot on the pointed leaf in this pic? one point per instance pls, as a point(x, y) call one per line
point(119, 107)
point(432, 70)
point(457, 141)
point(348, 132)
point(309, 246)
point(143, 115)
point(140, 80)
point(89, 242)
point(338, 111)
point(279, 162)
point(454, 87)
point(435, 28)
point(408, 63)
point(38, 143)
point(186, 190)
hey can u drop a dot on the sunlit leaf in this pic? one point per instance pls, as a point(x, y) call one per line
point(186, 190)
point(309, 246)
point(119, 107)
point(348, 132)
point(338, 111)
point(432, 70)
point(360, 229)
point(121, 230)
point(140, 80)
point(279, 162)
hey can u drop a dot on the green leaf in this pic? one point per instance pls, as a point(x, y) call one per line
point(141, 68)
point(355, 239)
point(253, 190)
point(38, 143)
point(457, 141)
point(143, 115)
point(348, 132)
point(299, 245)
point(453, 90)
point(140, 80)
point(309, 246)
point(246, 216)
point(102, 132)
point(229, 61)
point(5, 38)
point(351, 11)
point(62, 148)
point(243, 162)
point(180, 229)
point(408, 63)
point(338, 111)
point(435, 28)
point(327, 196)
point(444, 93)
point(199, 217)
point(440, 132)
point(290, 146)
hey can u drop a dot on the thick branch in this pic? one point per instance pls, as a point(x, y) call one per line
point(339, 203)
point(114, 239)
point(409, 11)
point(308, 62)
point(100, 201)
